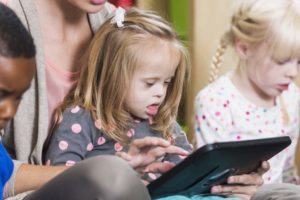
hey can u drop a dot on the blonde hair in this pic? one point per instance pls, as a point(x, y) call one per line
point(256, 21)
point(112, 60)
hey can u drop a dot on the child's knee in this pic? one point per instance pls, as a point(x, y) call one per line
point(281, 191)
point(112, 178)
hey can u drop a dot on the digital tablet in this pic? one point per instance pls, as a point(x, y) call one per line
point(213, 163)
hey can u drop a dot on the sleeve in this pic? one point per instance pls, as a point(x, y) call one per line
point(180, 140)
point(212, 118)
point(71, 140)
point(10, 184)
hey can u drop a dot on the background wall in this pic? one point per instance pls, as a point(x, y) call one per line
point(205, 31)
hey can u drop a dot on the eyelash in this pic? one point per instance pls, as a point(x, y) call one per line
point(167, 82)
point(151, 84)
point(285, 61)
point(3, 96)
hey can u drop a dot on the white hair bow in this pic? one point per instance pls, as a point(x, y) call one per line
point(119, 17)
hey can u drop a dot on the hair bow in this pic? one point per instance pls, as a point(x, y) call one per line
point(119, 17)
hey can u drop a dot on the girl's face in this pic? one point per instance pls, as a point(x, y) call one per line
point(156, 68)
point(268, 76)
point(89, 6)
point(15, 78)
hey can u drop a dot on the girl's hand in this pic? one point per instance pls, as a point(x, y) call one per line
point(243, 186)
point(144, 154)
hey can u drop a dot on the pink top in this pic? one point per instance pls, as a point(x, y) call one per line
point(4, 2)
point(59, 82)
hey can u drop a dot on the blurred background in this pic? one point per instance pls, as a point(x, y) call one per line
point(200, 24)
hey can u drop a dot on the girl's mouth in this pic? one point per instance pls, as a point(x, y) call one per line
point(152, 109)
point(283, 87)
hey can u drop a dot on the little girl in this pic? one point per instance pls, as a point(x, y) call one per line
point(130, 89)
point(258, 99)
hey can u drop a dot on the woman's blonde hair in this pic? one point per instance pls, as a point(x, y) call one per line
point(256, 21)
point(112, 60)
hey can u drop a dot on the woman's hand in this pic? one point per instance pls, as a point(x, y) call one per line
point(144, 154)
point(243, 186)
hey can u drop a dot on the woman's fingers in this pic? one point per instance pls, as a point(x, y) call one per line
point(246, 179)
point(242, 186)
point(265, 166)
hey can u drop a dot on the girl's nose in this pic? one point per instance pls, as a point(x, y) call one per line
point(160, 91)
point(293, 70)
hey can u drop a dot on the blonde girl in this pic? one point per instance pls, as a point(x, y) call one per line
point(130, 89)
point(258, 99)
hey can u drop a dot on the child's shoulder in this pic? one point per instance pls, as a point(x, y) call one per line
point(77, 112)
point(219, 89)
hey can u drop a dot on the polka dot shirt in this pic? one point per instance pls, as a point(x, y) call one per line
point(223, 114)
point(78, 137)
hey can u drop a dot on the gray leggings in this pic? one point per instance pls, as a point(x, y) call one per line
point(101, 177)
point(282, 191)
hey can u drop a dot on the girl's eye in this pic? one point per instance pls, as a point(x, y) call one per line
point(282, 62)
point(149, 84)
point(3, 95)
point(167, 82)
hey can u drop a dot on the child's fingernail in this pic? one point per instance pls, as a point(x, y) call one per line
point(231, 180)
point(215, 189)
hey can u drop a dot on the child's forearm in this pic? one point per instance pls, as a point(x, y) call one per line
point(32, 177)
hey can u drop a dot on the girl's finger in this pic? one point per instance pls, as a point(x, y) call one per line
point(159, 167)
point(159, 151)
point(150, 141)
point(124, 155)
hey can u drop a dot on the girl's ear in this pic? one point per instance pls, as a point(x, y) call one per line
point(242, 49)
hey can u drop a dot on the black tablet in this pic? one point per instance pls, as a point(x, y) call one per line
point(212, 164)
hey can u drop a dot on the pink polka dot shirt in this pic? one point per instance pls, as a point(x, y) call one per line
point(78, 137)
point(222, 113)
